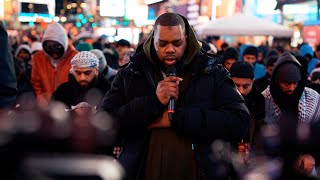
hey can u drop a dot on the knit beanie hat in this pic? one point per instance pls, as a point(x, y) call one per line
point(84, 59)
point(230, 53)
point(288, 73)
point(252, 50)
point(83, 47)
point(242, 69)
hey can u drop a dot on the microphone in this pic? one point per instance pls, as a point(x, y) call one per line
point(171, 71)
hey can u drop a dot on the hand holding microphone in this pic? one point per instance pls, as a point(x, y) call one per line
point(168, 90)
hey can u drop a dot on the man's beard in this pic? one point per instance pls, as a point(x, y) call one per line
point(84, 83)
point(87, 84)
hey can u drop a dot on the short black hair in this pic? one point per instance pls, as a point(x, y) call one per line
point(123, 42)
point(170, 19)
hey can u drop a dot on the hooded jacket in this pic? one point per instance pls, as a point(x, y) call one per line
point(259, 69)
point(305, 50)
point(21, 47)
point(47, 74)
point(304, 101)
point(8, 82)
point(209, 106)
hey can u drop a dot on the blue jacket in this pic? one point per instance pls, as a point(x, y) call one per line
point(305, 50)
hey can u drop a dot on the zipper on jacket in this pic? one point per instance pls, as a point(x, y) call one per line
point(55, 78)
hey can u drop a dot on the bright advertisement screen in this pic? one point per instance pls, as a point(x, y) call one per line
point(151, 1)
point(31, 10)
point(1, 9)
point(112, 8)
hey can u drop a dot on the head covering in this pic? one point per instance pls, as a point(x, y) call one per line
point(242, 69)
point(252, 50)
point(84, 59)
point(83, 47)
point(36, 46)
point(102, 59)
point(306, 49)
point(230, 53)
point(55, 32)
point(83, 35)
point(271, 60)
point(288, 73)
point(22, 47)
point(273, 53)
point(315, 74)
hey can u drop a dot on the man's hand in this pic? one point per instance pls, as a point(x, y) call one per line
point(167, 88)
point(305, 164)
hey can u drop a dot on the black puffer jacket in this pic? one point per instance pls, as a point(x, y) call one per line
point(209, 106)
point(71, 93)
point(212, 107)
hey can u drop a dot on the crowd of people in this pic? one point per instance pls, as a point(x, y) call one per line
point(234, 111)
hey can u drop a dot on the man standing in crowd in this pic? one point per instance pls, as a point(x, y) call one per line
point(230, 56)
point(263, 83)
point(8, 82)
point(307, 52)
point(242, 74)
point(104, 68)
point(178, 147)
point(250, 55)
point(85, 77)
point(51, 66)
point(287, 96)
point(114, 59)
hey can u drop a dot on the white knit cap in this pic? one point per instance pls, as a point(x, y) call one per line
point(84, 59)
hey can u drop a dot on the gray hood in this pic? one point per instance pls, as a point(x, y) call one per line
point(55, 32)
point(22, 46)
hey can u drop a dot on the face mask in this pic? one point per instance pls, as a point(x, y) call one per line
point(53, 49)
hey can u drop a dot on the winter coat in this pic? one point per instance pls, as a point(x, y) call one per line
point(305, 50)
point(209, 106)
point(71, 93)
point(262, 83)
point(306, 99)
point(46, 76)
point(256, 105)
point(8, 82)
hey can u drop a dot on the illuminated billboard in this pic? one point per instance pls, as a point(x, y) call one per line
point(1, 9)
point(35, 10)
point(112, 8)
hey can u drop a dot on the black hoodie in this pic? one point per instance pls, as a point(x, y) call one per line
point(284, 101)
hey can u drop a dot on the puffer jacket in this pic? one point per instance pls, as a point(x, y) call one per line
point(209, 106)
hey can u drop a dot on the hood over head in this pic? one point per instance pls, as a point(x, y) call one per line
point(36, 46)
point(192, 48)
point(305, 50)
point(285, 61)
point(101, 57)
point(22, 46)
point(55, 32)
